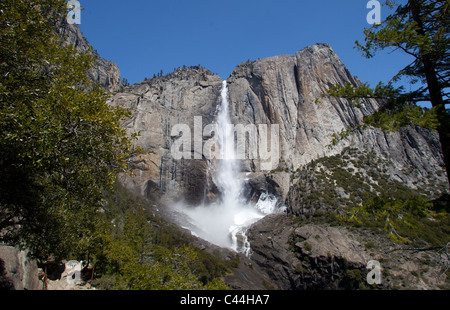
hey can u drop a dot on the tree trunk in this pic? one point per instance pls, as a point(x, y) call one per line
point(434, 89)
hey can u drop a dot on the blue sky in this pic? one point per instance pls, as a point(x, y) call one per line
point(145, 36)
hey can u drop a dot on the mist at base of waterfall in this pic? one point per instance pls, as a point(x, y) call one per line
point(226, 225)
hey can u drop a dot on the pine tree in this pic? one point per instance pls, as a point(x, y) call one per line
point(419, 28)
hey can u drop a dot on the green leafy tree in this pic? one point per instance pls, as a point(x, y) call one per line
point(419, 28)
point(172, 271)
point(61, 145)
point(139, 264)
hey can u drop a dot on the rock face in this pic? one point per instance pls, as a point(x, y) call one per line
point(330, 257)
point(307, 257)
point(17, 271)
point(300, 256)
point(105, 72)
point(283, 90)
point(159, 105)
point(286, 90)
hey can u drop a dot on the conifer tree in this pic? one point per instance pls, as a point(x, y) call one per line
point(419, 28)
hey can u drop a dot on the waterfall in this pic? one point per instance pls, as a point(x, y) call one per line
point(225, 222)
point(226, 178)
point(230, 184)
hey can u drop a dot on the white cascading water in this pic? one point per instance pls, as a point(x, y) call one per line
point(225, 222)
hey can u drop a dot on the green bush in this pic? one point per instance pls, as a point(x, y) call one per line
point(403, 220)
point(138, 250)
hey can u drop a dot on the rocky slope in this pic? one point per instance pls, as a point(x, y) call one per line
point(299, 256)
point(336, 183)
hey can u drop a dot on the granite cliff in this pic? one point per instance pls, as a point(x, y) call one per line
point(287, 90)
point(159, 104)
point(281, 90)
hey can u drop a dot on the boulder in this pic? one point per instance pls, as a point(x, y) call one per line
point(17, 271)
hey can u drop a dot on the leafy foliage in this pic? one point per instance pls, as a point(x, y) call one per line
point(60, 143)
point(404, 220)
point(139, 251)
